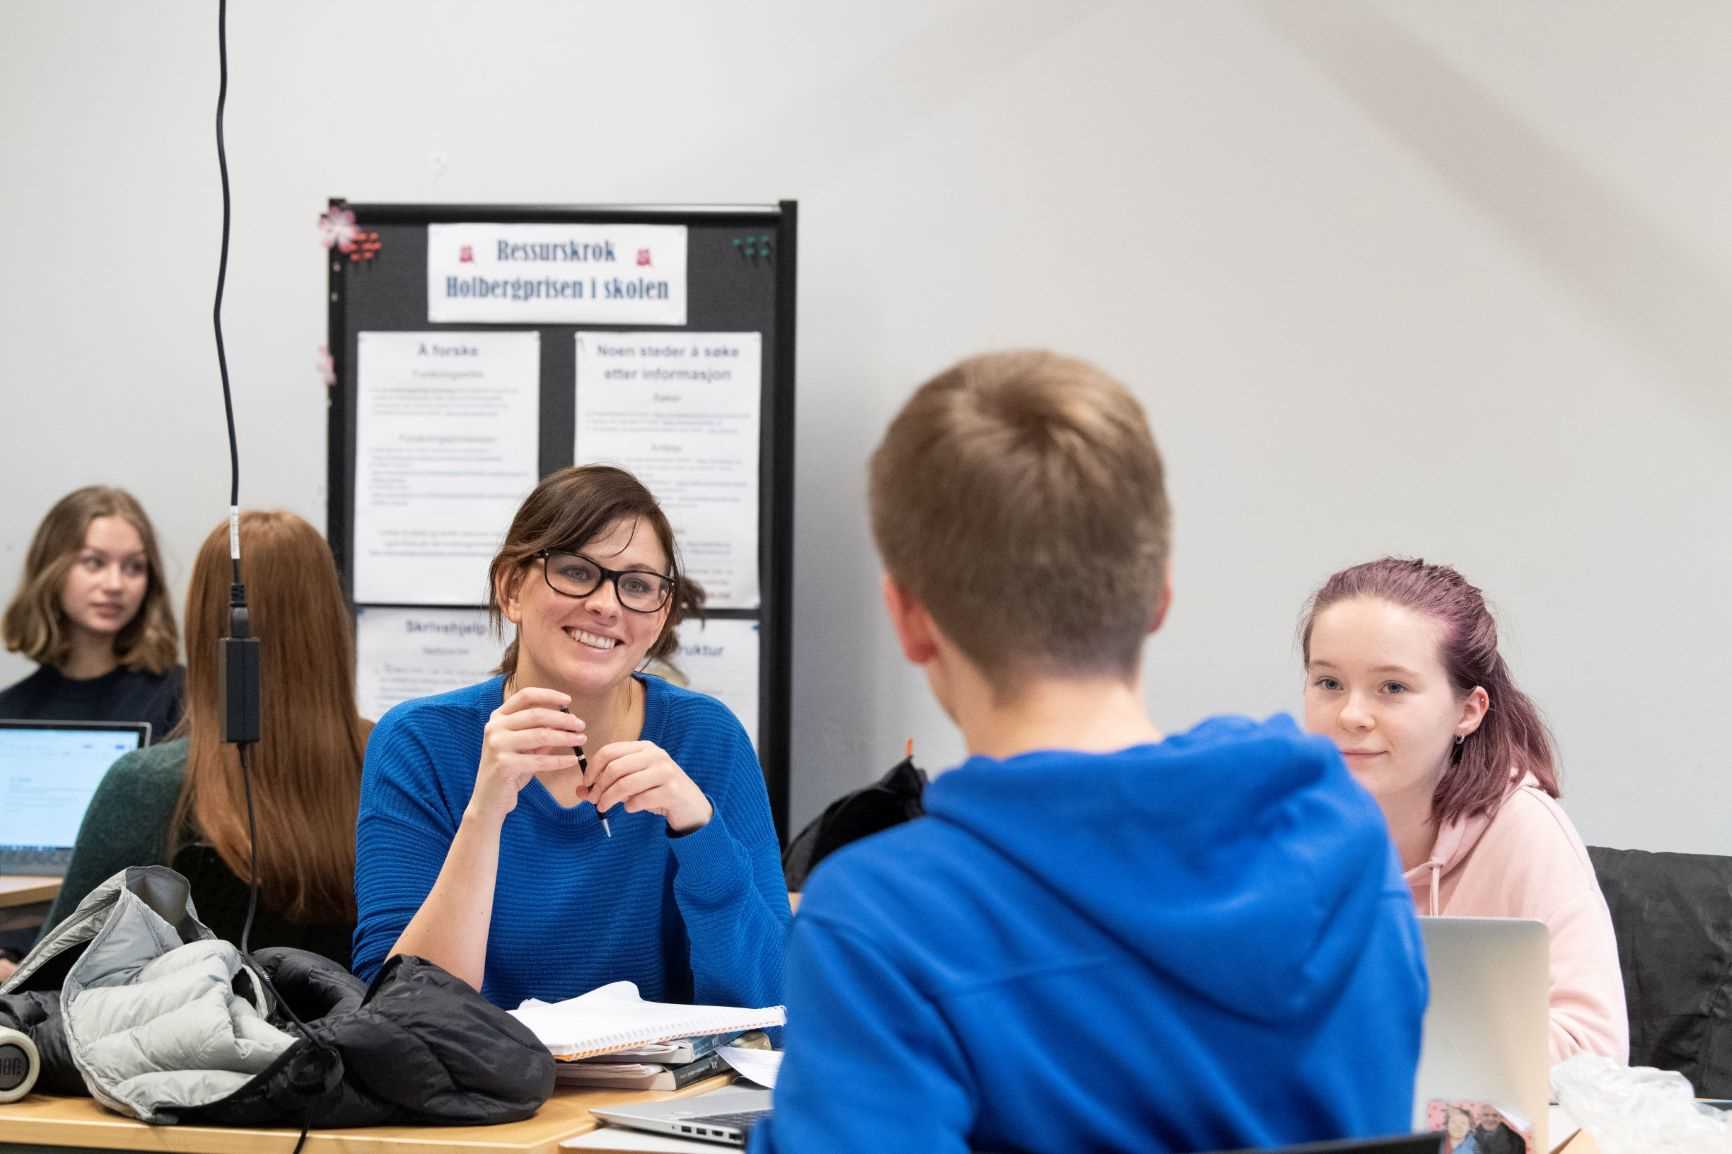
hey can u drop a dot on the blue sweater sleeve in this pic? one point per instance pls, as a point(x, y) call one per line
point(861, 1036)
point(403, 830)
point(728, 882)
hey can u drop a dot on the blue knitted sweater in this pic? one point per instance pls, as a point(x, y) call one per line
point(699, 918)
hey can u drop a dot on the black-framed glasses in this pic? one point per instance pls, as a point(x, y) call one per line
point(573, 574)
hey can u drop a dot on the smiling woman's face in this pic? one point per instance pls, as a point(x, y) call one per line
point(586, 645)
point(1376, 685)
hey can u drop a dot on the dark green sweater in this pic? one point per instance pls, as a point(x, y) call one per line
point(127, 824)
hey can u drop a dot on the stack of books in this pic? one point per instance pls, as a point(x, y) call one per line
point(662, 1066)
point(612, 1037)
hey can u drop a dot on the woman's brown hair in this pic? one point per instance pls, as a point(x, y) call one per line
point(35, 622)
point(306, 771)
point(565, 511)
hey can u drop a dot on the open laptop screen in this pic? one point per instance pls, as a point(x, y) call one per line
point(49, 770)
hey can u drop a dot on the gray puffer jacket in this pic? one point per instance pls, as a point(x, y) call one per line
point(161, 1020)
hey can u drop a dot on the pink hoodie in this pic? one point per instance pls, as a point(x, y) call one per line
point(1527, 861)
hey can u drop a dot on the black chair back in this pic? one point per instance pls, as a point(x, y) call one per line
point(221, 898)
point(1672, 913)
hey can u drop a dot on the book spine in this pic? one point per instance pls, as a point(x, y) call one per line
point(697, 1071)
point(625, 1039)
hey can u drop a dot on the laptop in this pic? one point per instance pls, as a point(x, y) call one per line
point(49, 771)
point(1487, 1028)
point(722, 1116)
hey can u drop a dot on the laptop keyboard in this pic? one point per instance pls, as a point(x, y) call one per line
point(742, 1120)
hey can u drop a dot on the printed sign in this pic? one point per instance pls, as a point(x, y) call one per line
point(609, 274)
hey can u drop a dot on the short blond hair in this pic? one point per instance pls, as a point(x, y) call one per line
point(1019, 496)
point(35, 623)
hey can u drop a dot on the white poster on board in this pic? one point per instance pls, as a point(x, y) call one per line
point(720, 657)
point(681, 411)
point(447, 428)
point(572, 274)
point(406, 653)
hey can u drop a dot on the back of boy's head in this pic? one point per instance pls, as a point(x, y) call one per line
point(1019, 497)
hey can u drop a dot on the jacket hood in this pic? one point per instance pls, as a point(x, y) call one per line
point(1235, 840)
point(1455, 844)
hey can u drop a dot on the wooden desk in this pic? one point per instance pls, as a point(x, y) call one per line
point(27, 890)
point(79, 1124)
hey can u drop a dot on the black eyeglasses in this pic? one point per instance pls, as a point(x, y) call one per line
point(573, 574)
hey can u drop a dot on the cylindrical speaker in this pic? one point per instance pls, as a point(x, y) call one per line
point(19, 1065)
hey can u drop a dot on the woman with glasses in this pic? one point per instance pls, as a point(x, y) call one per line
point(575, 821)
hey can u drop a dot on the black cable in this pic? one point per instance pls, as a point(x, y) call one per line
point(222, 268)
point(238, 627)
point(252, 851)
point(237, 594)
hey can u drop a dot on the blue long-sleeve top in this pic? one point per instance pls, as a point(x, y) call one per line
point(695, 918)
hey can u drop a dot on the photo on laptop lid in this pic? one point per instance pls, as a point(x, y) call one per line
point(1486, 1027)
point(49, 770)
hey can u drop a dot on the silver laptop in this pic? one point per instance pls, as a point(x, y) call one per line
point(49, 770)
point(725, 1116)
point(1487, 1027)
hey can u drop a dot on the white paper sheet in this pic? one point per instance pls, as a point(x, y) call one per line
point(573, 274)
point(447, 429)
point(682, 412)
point(720, 657)
point(758, 1066)
point(613, 1017)
point(406, 653)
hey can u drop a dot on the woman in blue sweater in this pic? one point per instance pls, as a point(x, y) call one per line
point(487, 844)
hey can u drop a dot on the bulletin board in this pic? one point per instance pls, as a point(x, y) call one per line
point(621, 334)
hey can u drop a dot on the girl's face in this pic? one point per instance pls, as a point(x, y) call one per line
point(586, 645)
point(108, 579)
point(1377, 687)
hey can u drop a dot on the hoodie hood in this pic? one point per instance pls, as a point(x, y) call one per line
point(1235, 842)
point(1454, 845)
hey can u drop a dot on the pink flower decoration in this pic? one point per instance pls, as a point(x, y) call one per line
point(327, 367)
point(337, 227)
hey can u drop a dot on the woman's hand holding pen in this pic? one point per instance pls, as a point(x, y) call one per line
point(640, 776)
point(527, 735)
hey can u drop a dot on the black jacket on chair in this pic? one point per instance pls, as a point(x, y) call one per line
point(1673, 916)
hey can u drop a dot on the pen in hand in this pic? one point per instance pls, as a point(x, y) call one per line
point(583, 766)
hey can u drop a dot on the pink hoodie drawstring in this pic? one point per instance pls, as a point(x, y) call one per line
point(1436, 881)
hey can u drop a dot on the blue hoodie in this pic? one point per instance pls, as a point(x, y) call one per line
point(1195, 945)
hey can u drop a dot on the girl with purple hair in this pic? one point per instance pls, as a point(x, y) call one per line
point(1402, 672)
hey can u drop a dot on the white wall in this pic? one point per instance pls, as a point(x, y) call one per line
point(1442, 279)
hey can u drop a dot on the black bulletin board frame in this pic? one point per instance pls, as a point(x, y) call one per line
point(369, 294)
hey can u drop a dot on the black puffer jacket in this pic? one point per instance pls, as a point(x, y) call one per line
point(416, 1047)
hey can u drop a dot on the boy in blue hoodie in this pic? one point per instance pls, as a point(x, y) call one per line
point(1098, 938)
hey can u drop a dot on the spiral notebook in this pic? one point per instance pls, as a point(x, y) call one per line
point(613, 1017)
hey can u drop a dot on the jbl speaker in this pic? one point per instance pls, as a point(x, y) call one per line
point(19, 1065)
